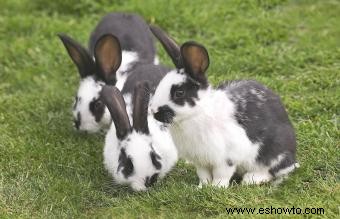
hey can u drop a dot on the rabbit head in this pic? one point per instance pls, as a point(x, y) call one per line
point(132, 155)
point(89, 112)
point(180, 89)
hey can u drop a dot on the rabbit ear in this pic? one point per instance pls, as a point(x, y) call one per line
point(196, 61)
point(169, 45)
point(114, 101)
point(79, 56)
point(141, 98)
point(108, 55)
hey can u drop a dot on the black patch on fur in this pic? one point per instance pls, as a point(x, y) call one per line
point(155, 160)
point(77, 121)
point(97, 108)
point(261, 113)
point(288, 160)
point(149, 181)
point(165, 114)
point(132, 32)
point(186, 92)
point(125, 163)
point(153, 74)
point(236, 178)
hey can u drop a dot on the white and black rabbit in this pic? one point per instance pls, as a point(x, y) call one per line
point(241, 127)
point(97, 66)
point(136, 156)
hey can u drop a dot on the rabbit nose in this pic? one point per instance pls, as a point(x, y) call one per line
point(77, 121)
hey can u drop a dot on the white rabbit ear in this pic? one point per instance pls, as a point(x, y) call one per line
point(108, 55)
point(79, 56)
point(141, 98)
point(196, 61)
point(169, 45)
point(114, 101)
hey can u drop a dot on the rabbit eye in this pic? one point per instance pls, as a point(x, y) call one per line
point(179, 93)
point(98, 104)
point(125, 164)
point(155, 158)
point(97, 109)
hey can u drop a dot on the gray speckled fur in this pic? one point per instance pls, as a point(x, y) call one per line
point(265, 120)
point(146, 72)
point(131, 30)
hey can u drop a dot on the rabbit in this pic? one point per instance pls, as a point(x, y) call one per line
point(241, 127)
point(139, 155)
point(96, 66)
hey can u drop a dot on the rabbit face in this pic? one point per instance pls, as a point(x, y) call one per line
point(89, 112)
point(139, 165)
point(135, 155)
point(175, 97)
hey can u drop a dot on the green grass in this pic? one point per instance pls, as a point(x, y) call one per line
point(48, 170)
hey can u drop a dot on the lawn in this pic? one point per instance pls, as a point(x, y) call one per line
point(48, 170)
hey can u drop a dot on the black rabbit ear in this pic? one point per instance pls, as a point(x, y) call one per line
point(114, 101)
point(169, 45)
point(141, 97)
point(108, 55)
point(196, 61)
point(79, 56)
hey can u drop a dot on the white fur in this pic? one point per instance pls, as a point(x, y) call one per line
point(287, 170)
point(156, 60)
point(256, 177)
point(89, 89)
point(128, 59)
point(208, 135)
point(138, 148)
